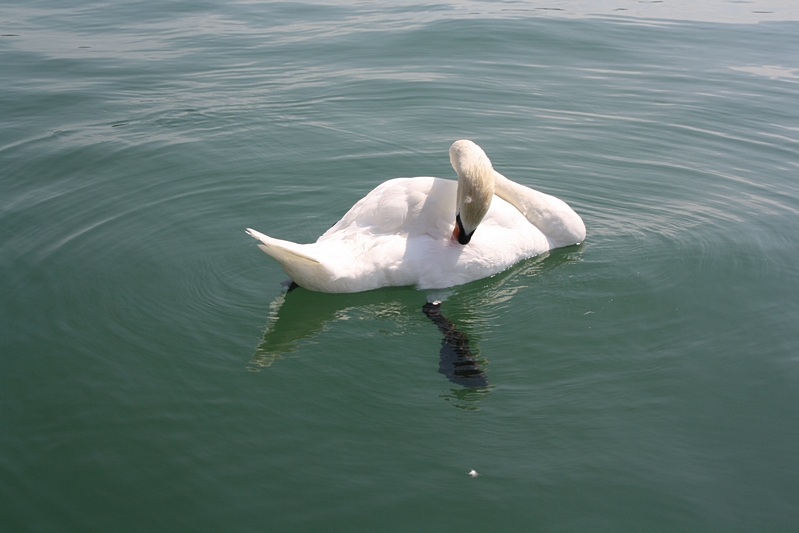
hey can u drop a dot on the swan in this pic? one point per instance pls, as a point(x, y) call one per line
point(431, 232)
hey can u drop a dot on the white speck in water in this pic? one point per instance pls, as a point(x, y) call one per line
point(474, 473)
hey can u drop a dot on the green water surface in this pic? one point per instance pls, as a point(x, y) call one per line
point(155, 375)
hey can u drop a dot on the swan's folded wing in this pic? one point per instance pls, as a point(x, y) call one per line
point(400, 206)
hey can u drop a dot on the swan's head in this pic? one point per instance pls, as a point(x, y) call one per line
point(475, 187)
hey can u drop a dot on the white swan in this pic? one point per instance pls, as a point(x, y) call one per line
point(424, 231)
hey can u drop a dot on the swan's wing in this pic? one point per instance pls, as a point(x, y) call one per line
point(402, 206)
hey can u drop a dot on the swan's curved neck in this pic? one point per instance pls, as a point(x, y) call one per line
point(554, 217)
point(475, 191)
point(478, 182)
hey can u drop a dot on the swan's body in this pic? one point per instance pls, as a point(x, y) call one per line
point(399, 234)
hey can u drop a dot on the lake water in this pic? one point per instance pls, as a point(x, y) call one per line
point(156, 375)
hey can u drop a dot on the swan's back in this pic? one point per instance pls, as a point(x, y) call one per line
point(406, 207)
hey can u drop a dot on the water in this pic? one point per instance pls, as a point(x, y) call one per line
point(156, 376)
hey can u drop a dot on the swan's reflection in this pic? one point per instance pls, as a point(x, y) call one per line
point(457, 361)
point(298, 315)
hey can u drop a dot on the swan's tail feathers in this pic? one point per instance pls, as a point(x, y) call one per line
point(282, 249)
point(302, 267)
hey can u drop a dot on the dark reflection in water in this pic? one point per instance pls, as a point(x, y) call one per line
point(457, 361)
point(297, 315)
point(466, 399)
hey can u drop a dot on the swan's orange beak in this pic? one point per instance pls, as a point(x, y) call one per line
point(459, 234)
